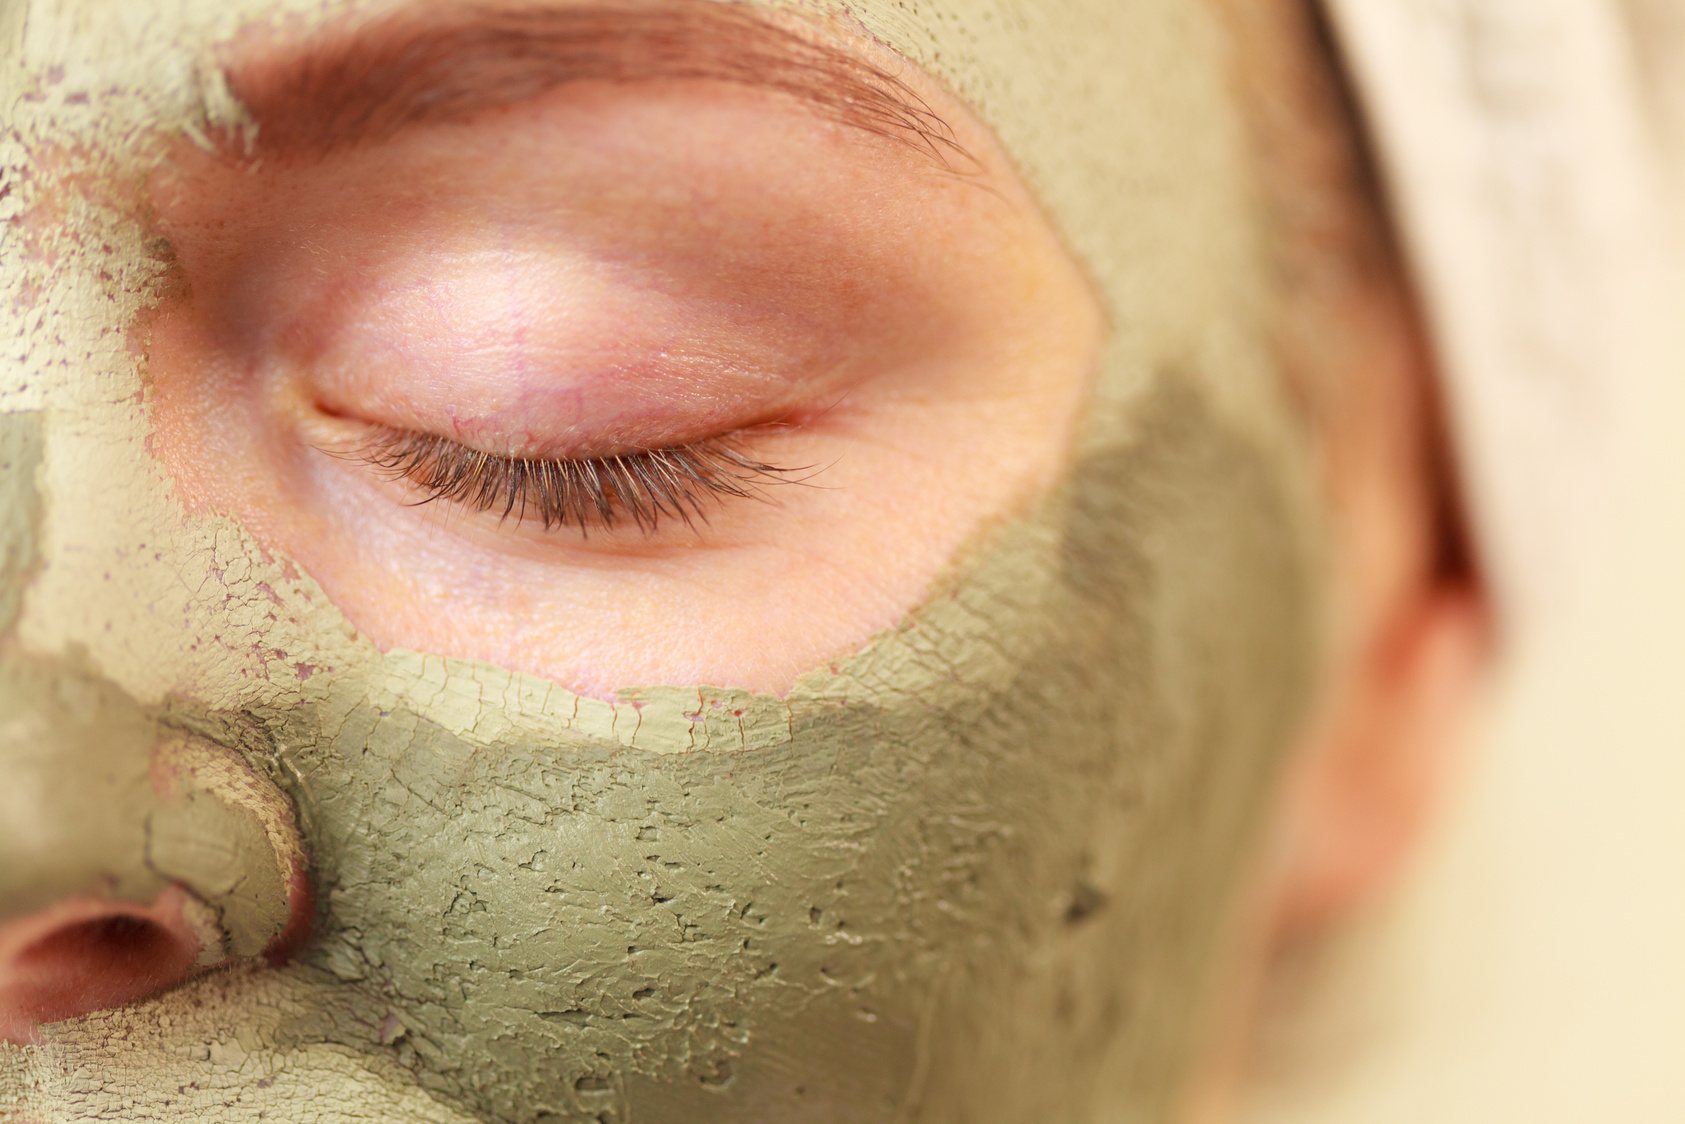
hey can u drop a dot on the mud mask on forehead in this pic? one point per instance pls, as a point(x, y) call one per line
point(977, 870)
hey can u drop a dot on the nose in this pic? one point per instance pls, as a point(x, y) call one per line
point(132, 854)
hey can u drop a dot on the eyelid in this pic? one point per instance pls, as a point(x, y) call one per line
point(675, 482)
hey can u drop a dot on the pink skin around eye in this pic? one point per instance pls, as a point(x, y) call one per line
point(548, 354)
point(703, 258)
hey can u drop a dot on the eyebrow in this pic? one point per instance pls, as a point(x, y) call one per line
point(361, 84)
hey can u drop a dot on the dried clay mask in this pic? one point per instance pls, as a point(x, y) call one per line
point(974, 865)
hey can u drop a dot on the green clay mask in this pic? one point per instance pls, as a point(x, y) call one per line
point(977, 870)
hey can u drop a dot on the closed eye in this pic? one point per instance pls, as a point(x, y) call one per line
point(580, 324)
point(680, 482)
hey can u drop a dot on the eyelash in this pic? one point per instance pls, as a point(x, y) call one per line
point(645, 486)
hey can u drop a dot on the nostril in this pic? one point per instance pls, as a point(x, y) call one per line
point(132, 942)
point(86, 956)
point(106, 961)
point(203, 829)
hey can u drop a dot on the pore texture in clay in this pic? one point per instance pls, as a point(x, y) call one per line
point(973, 872)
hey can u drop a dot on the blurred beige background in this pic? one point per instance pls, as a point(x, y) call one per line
point(1531, 966)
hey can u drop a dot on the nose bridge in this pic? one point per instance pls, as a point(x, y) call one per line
point(20, 507)
point(78, 799)
point(75, 752)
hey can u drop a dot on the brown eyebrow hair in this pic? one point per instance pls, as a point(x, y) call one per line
point(367, 82)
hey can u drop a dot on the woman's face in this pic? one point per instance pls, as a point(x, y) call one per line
point(762, 550)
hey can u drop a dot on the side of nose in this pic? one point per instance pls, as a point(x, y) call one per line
point(132, 855)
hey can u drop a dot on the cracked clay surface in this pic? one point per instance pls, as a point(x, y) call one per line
point(948, 879)
point(534, 918)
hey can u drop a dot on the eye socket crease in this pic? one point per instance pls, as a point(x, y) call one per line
point(365, 84)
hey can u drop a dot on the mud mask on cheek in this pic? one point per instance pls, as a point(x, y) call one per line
point(977, 870)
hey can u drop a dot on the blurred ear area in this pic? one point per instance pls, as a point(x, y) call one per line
point(1409, 630)
point(1375, 766)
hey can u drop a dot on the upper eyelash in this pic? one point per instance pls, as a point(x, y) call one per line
point(645, 486)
